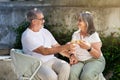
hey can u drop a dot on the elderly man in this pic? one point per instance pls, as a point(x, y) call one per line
point(39, 42)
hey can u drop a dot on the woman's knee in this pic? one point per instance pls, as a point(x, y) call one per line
point(73, 72)
point(87, 76)
point(73, 75)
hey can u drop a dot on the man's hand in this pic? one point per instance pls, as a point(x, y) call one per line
point(68, 49)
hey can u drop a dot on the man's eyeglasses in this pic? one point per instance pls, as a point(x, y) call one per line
point(40, 19)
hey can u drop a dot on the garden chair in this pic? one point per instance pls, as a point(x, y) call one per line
point(26, 66)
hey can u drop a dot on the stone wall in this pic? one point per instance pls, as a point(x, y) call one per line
point(61, 13)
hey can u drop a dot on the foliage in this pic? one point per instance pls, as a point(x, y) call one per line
point(21, 28)
point(111, 51)
point(62, 36)
point(110, 48)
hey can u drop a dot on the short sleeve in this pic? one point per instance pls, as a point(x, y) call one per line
point(94, 38)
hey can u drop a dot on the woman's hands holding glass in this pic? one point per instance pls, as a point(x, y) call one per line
point(83, 44)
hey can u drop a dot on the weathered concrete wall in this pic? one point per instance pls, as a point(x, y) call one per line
point(61, 13)
point(84, 3)
point(106, 19)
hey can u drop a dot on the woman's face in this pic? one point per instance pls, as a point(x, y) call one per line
point(82, 25)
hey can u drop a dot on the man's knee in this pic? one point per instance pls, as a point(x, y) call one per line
point(51, 77)
point(65, 67)
point(47, 74)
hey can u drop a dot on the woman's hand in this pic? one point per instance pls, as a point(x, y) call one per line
point(73, 59)
point(66, 52)
point(84, 45)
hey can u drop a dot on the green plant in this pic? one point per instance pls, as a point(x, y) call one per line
point(111, 51)
point(19, 30)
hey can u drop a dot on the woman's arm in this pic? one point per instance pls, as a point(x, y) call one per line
point(94, 49)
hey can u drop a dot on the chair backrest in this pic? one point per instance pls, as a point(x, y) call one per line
point(25, 65)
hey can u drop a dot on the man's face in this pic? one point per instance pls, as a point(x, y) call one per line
point(40, 19)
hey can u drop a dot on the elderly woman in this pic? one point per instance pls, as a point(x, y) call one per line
point(89, 61)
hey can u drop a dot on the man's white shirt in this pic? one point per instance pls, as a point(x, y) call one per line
point(32, 40)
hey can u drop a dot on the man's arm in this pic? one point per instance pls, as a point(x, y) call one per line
point(65, 52)
point(53, 50)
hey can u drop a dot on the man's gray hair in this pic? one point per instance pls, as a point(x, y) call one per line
point(32, 14)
